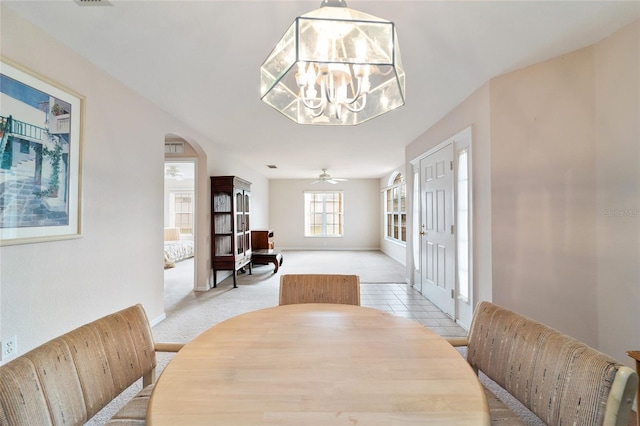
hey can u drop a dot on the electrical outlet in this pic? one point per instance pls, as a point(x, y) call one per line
point(9, 347)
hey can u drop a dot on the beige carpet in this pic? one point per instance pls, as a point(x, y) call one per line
point(190, 313)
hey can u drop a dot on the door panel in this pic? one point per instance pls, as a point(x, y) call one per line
point(438, 241)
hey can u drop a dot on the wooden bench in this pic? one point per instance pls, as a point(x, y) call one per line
point(561, 380)
point(67, 380)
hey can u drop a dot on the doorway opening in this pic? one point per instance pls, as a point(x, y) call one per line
point(442, 225)
point(179, 226)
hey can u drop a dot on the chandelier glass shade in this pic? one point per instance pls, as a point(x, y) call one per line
point(335, 66)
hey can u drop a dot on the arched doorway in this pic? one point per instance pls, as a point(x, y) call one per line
point(183, 151)
point(179, 225)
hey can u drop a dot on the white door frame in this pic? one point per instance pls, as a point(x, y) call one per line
point(461, 141)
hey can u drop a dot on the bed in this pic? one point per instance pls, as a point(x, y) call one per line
point(175, 248)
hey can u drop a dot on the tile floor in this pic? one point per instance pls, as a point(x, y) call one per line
point(403, 300)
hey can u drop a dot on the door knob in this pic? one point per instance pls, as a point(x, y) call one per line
point(422, 233)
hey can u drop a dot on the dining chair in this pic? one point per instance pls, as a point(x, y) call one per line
point(319, 288)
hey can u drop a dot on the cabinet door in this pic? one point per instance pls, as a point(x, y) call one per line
point(239, 221)
point(222, 223)
point(247, 223)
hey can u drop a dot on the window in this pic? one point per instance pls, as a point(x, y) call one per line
point(323, 214)
point(181, 211)
point(416, 216)
point(396, 210)
point(462, 224)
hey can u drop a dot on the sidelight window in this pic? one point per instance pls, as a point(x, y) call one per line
point(462, 224)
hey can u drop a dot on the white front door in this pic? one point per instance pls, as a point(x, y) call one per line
point(436, 230)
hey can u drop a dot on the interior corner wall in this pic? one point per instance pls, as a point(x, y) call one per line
point(543, 204)
point(474, 112)
point(617, 99)
point(362, 219)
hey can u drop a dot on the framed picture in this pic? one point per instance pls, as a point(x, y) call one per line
point(40, 164)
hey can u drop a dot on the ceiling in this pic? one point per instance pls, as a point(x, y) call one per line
point(200, 60)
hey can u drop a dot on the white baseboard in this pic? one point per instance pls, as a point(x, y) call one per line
point(158, 319)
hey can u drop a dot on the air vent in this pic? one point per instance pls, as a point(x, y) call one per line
point(174, 147)
point(93, 2)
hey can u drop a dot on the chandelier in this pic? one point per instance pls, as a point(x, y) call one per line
point(334, 66)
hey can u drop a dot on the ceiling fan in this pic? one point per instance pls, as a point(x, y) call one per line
point(325, 177)
point(172, 172)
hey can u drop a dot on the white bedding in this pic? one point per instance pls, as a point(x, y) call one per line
point(175, 251)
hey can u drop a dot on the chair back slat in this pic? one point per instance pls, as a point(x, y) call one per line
point(319, 288)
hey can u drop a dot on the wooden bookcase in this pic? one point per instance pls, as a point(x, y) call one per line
point(230, 225)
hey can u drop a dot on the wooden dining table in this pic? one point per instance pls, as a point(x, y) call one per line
point(318, 364)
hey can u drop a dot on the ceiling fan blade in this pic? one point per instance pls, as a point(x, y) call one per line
point(326, 177)
point(314, 182)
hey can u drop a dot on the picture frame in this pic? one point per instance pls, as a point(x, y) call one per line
point(40, 158)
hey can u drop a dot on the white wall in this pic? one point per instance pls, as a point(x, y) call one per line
point(566, 188)
point(617, 144)
point(50, 288)
point(543, 163)
point(362, 217)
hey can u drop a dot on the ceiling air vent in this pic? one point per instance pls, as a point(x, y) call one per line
point(93, 2)
point(174, 147)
